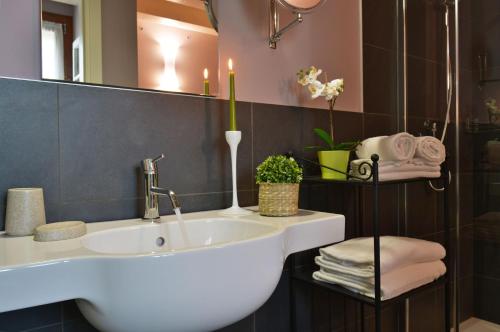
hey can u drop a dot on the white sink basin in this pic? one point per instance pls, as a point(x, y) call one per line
point(151, 238)
point(125, 279)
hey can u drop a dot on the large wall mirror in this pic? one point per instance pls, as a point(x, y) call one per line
point(165, 45)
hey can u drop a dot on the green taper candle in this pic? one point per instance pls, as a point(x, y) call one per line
point(206, 83)
point(232, 98)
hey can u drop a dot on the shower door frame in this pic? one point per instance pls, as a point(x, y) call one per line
point(402, 122)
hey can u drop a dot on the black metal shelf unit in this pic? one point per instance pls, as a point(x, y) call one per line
point(491, 80)
point(372, 180)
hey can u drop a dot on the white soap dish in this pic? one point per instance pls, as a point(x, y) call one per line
point(60, 231)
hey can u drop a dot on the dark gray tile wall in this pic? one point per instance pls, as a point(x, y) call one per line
point(30, 137)
point(31, 318)
point(87, 142)
point(380, 65)
point(84, 144)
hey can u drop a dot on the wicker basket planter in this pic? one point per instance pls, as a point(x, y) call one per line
point(278, 199)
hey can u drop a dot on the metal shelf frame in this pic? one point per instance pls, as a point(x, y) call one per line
point(372, 180)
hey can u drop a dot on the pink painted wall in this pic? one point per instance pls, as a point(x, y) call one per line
point(329, 38)
point(20, 39)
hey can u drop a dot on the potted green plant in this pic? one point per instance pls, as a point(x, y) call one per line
point(278, 178)
point(332, 155)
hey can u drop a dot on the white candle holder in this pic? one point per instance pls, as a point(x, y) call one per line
point(233, 138)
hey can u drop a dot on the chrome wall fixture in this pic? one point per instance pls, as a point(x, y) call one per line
point(449, 75)
point(275, 33)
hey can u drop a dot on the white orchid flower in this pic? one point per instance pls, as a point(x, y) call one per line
point(339, 83)
point(316, 89)
point(306, 77)
point(330, 91)
point(333, 89)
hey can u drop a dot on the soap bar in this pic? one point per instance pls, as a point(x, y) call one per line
point(60, 231)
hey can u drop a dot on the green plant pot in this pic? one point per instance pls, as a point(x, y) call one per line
point(334, 159)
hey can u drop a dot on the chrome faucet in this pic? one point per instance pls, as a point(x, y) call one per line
point(152, 190)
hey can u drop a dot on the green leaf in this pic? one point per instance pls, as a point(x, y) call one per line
point(347, 146)
point(315, 148)
point(325, 137)
point(278, 169)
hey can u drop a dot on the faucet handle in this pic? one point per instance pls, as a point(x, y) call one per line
point(149, 165)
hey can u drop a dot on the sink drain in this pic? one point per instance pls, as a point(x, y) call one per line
point(160, 241)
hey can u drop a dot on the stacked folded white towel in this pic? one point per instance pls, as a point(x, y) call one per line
point(401, 156)
point(405, 264)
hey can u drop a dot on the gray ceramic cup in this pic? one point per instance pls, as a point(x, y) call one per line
point(25, 211)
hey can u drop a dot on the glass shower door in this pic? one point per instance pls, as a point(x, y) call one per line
point(473, 145)
point(478, 163)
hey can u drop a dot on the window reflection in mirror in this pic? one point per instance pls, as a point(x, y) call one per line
point(150, 44)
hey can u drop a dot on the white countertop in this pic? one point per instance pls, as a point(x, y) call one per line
point(23, 251)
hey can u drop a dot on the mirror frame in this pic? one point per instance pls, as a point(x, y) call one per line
point(212, 17)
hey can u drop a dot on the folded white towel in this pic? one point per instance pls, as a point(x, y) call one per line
point(392, 284)
point(397, 147)
point(408, 175)
point(430, 149)
point(395, 252)
point(413, 165)
point(421, 162)
point(391, 171)
point(383, 164)
point(352, 271)
point(368, 281)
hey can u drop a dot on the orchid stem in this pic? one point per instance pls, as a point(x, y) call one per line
point(331, 104)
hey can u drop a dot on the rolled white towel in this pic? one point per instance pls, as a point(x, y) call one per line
point(430, 149)
point(392, 284)
point(395, 252)
point(396, 147)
